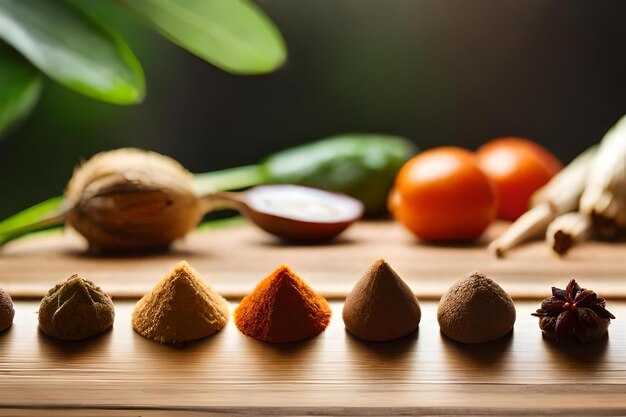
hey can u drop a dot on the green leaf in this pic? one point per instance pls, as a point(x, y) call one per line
point(20, 87)
point(222, 223)
point(234, 35)
point(229, 179)
point(72, 49)
point(363, 165)
point(31, 216)
point(43, 216)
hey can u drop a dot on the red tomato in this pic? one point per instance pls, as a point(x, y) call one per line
point(518, 167)
point(443, 195)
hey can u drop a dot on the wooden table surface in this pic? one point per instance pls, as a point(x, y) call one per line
point(234, 259)
point(122, 374)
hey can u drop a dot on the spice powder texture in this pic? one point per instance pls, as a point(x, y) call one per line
point(181, 308)
point(7, 312)
point(282, 308)
point(75, 309)
point(381, 306)
point(476, 310)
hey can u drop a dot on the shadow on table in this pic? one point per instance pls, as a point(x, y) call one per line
point(585, 357)
point(73, 350)
point(393, 350)
point(380, 361)
point(163, 253)
point(275, 242)
point(487, 355)
point(293, 362)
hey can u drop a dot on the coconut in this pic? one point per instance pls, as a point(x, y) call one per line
point(130, 199)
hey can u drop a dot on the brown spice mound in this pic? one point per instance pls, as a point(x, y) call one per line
point(180, 308)
point(381, 306)
point(282, 308)
point(476, 310)
point(75, 309)
point(6, 310)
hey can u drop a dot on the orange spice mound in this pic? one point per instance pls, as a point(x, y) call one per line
point(282, 308)
point(180, 308)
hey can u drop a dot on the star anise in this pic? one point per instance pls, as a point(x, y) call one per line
point(574, 314)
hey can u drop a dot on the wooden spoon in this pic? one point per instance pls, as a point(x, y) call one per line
point(292, 212)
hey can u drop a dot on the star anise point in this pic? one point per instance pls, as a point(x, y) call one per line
point(574, 313)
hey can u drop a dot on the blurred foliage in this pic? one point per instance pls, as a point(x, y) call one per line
point(362, 165)
point(45, 215)
point(20, 85)
point(455, 72)
point(72, 49)
point(232, 34)
point(77, 49)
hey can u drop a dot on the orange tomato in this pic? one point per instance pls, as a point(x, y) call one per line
point(443, 195)
point(518, 167)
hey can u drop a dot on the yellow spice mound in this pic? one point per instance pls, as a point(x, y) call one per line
point(182, 307)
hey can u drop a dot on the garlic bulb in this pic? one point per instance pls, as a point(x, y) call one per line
point(130, 199)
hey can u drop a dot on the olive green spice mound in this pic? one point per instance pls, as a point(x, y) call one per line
point(381, 306)
point(7, 312)
point(75, 309)
point(476, 310)
point(180, 308)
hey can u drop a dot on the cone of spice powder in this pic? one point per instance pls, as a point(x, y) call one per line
point(381, 306)
point(7, 312)
point(75, 309)
point(282, 308)
point(180, 308)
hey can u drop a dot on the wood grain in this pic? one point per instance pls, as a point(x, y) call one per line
point(120, 373)
point(234, 259)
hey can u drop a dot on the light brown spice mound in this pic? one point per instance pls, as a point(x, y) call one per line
point(381, 306)
point(476, 310)
point(75, 309)
point(282, 308)
point(180, 308)
point(6, 310)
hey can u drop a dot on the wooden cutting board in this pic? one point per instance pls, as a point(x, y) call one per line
point(233, 259)
point(123, 374)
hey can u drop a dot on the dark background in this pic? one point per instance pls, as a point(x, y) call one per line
point(440, 72)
